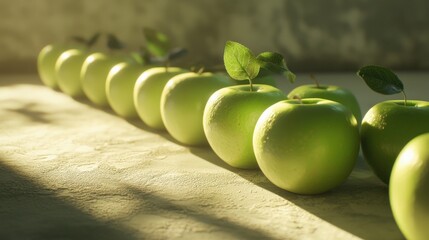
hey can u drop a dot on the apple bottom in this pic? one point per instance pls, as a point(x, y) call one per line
point(306, 147)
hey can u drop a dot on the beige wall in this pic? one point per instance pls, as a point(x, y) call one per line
point(314, 35)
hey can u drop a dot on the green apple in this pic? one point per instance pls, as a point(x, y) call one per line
point(387, 127)
point(120, 86)
point(297, 148)
point(182, 104)
point(147, 94)
point(230, 117)
point(67, 68)
point(334, 93)
point(94, 74)
point(231, 113)
point(46, 60)
point(409, 188)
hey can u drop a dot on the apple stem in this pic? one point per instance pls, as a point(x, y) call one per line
point(200, 71)
point(405, 98)
point(298, 98)
point(167, 65)
point(250, 84)
point(315, 80)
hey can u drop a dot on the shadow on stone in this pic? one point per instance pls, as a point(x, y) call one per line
point(152, 202)
point(29, 211)
point(163, 133)
point(32, 112)
point(14, 79)
point(359, 206)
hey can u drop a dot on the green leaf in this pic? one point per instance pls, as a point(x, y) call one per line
point(275, 63)
point(263, 73)
point(240, 63)
point(272, 57)
point(79, 39)
point(177, 53)
point(138, 58)
point(144, 55)
point(157, 43)
point(93, 40)
point(113, 42)
point(88, 42)
point(290, 76)
point(381, 79)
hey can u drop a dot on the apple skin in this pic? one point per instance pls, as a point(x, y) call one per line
point(94, 73)
point(182, 104)
point(230, 117)
point(67, 68)
point(297, 148)
point(120, 86)
point(46, 61)
point(409, 188)
point(147, 94)
point(385, 130)
point(329, 92)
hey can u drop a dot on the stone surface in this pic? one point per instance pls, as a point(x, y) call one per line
point(69, 170)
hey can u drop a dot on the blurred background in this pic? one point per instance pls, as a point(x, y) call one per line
point(313, 35)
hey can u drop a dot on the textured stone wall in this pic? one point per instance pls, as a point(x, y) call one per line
point(314, 35)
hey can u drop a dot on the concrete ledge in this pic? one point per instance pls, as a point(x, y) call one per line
point(69, 170)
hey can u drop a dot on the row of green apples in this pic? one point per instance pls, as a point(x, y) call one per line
point(209, 109)
point(306, 142)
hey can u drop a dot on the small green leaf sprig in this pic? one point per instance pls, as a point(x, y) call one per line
point(159, 47)
point(382, 80)
point(87, 42)
point(112, 42)
point(241, 64)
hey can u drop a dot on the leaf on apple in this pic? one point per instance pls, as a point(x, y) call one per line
point(145, 55)
point(113, 42)
point(171, 55)
point(177, 53)
point(157, 43)
point(381, 79)
point(91, 41)
point(79, 39)
point(240, 62)
point(88, 42)
point(275, 63)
